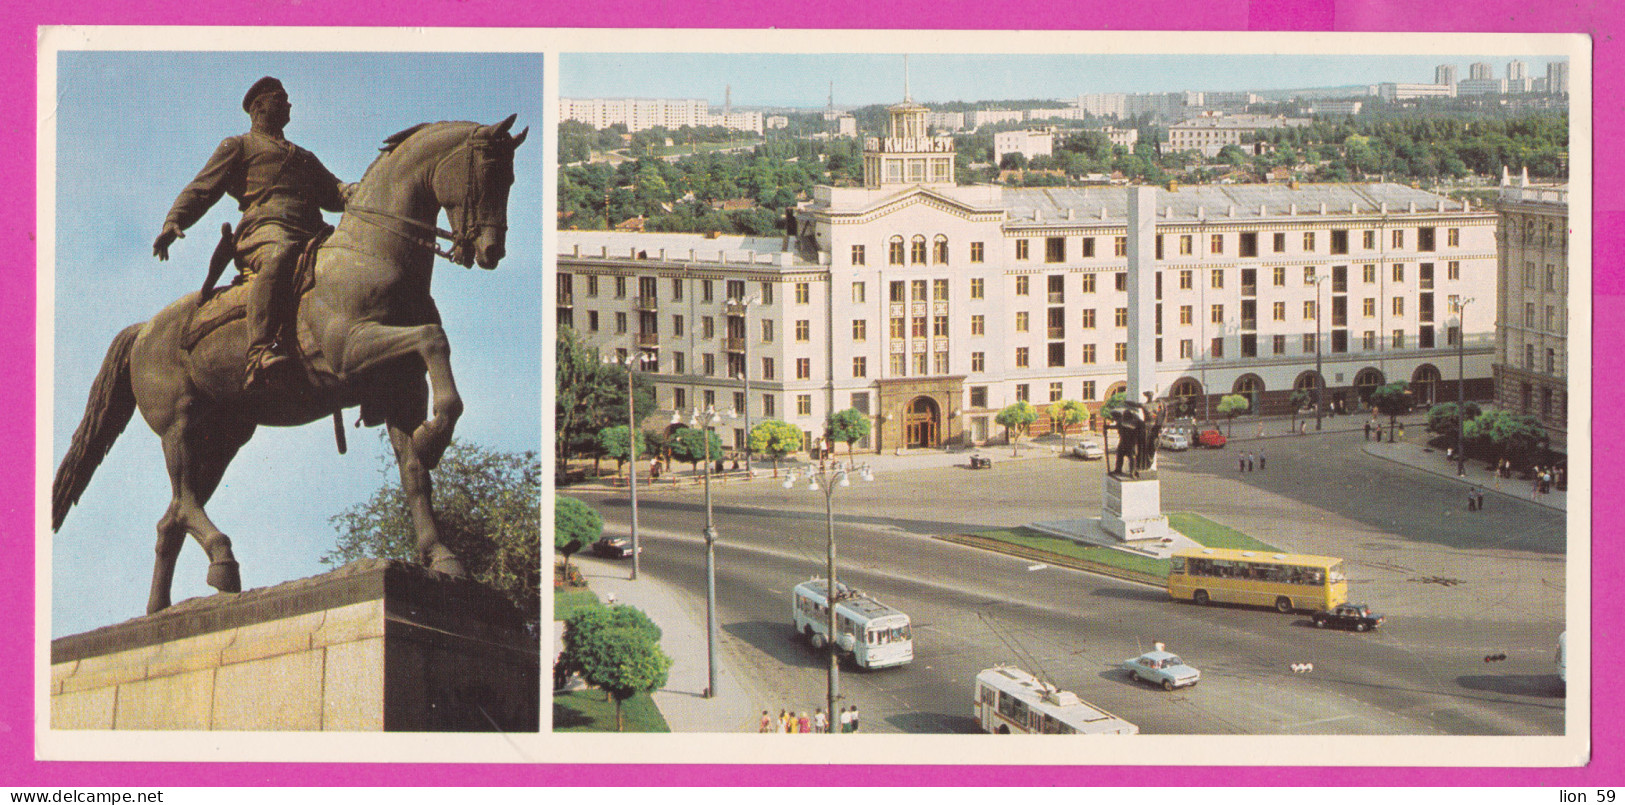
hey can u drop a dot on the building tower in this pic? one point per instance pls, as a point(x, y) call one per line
point(1557, 77)
point(1445, 75)
point(1517, 70)
point(1481, 71)
point(907, 155)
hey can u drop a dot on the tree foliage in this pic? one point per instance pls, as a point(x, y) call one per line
point(689, 444)
point(614, 443)
point(1066, 413)
point(1446, 419)
point(1391, 401)
point(487, 506)
point(1515, 437)
point(575, 526)
point(616, 649)
point(1016, 418)
point(849, 426)
point(591, 396)
point(775, 439)
point(1232, 404)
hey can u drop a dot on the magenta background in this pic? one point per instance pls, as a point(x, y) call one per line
point(18, 36)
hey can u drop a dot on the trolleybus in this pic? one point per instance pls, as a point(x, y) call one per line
point(876, 635)
point(1286, 581)
point(1010, 700)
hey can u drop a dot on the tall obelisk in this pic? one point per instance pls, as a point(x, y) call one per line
point(1132, 508)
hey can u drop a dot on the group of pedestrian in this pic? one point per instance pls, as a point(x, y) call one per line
point(791, 722)
point(1544, 477)
point(1475, 499)
point(1245, 461)
point(1373, 430)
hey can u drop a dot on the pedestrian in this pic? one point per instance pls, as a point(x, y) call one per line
point(1241, 463)
point(1402, 430)
point(1368, 430)
point(1261, 461)
point(1480, 501)
point(854, 718)
point(804, 724)
point(1260, 430)
point(767, 723)
point(820, 723)
point(1249, 462)
point(1472, 502)
point(846, 720)
point(784, 721)
point(654, 469)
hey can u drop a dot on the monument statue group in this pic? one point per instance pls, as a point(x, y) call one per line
point(319, 319)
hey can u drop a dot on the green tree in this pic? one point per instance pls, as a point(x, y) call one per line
point(1064, 414)
point(1391, 401)
point(690, 445)
point(1514, 437)
point(613, 442)
point(776, 439)
point(1447, 419)
point(1016, 418)
point(575, 526)
point(488, 509)
point(1230, 405)
point(848, 426)
point(591, 396)
point(615, 649)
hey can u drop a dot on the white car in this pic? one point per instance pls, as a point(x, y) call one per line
point(1174, 440)
point(1088, 450)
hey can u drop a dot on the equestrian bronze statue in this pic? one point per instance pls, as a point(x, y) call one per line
point(364, 332)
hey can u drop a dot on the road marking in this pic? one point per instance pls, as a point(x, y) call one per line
point(1312, 722)
point(1031, 568)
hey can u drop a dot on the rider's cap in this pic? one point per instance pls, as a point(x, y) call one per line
point(262, 86)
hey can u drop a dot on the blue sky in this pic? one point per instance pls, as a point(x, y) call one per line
point(132, 129)
point(804, 80)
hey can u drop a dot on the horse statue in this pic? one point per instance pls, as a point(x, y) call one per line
point(367, 332)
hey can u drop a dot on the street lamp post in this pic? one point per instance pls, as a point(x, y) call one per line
point(705, 421)
point(743, 306)
point(631, 361)
point(1320, 380)
point(826, 480)
point(1461, 385)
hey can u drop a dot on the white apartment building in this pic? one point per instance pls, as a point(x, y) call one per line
point(777, 122)
point(846, 126)
point(932, 305)
point(1445, 74)
point(1482, 86)
point(1209, 134)
point(639, 114)
point(993, 117)
point(1336, 108)
point(1531, 348)
point(1103, 104)
point(1028, 143)
point(1480, 70)
point(1557, 78)
point(946, 121)
point(1128, 138)
point(1390, 91)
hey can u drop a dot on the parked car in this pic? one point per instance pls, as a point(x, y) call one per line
point(1174, 440)
point(1159, 667)
point(1088, 450)
point(1358, 617)
point(1212, 439)
point(613, 547)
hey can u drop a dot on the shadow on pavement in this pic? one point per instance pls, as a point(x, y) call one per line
point(934, 724)
point(912, 526)
point(1546, 686)
point(777, 640)
point(1146, 594)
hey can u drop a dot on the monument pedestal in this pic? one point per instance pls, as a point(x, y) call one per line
point(376, 645)
point(1132, 508)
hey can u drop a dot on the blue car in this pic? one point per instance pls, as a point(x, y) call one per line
point(1160, 667)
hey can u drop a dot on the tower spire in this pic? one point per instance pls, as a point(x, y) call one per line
point(906, 95)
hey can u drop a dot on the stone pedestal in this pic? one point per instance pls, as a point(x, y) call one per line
point(373, 646)
point(1132, 508)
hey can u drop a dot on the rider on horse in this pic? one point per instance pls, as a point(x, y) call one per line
point(281, 190)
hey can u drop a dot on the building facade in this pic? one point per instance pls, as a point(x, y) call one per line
point(1531, 349)
point(638, 114)
point(931, 305)
point(1209, 134)
point(1028, 143)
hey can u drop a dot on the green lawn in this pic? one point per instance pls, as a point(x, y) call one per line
point(587, 711)
point(566, 602)
point(1126, 564)
point(1213, 535)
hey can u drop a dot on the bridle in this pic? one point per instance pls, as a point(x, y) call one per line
point(465, 229)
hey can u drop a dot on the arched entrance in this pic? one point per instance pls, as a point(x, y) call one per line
point(1250, 386)
point(1184, 398)
point(921, 423)
point(1425, 384)
point(1366, 381)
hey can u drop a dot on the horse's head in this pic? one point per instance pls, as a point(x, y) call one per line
point(472, 183)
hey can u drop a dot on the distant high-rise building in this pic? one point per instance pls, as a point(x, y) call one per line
point(1481, 71)
point(1516, 70)
point(1557, 78)
point(1445, 74)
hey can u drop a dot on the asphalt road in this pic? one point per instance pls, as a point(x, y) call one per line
point(1457, 588)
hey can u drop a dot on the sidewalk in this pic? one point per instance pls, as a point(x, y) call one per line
point(682, 701)
point(1432, 461)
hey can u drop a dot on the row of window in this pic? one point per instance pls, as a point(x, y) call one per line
point(1531, 279)
point(916, 250)
point(648, 289)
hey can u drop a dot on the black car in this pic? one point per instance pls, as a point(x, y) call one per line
point(1358, 617)
point(613, 547)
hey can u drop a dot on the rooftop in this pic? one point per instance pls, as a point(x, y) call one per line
point(1233, 201)
point(676, 246)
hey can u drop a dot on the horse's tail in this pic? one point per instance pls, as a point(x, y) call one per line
point(112, 402)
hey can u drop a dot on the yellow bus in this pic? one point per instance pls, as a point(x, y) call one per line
point(1286, 581)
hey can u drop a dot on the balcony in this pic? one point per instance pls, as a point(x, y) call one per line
point(566, 299)
point(1249, 289)
point(1057, 297)
point(1249, 324)
point(1057, 332)
point(646, 302)
point(732, 308)
point(648, 339)
point(733, 344)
